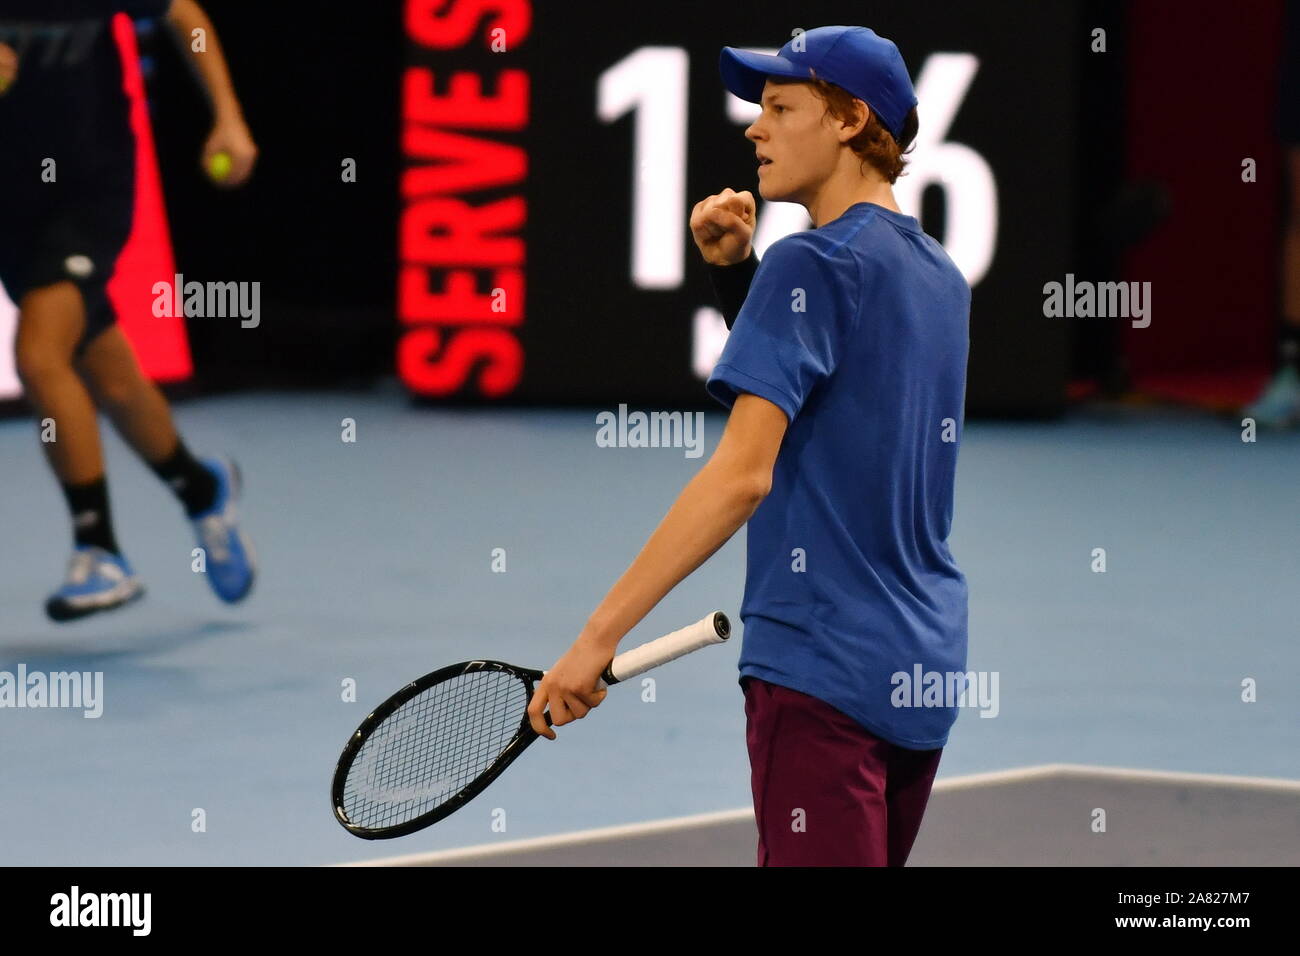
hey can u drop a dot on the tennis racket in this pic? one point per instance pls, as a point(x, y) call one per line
point(439, 741)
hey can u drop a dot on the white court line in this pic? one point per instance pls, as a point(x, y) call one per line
point(744, 814)
point(1022, 774)
point(581, 837)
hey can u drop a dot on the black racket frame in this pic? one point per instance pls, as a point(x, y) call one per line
point(523, 737)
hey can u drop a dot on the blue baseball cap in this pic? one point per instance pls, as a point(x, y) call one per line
point(853, 58)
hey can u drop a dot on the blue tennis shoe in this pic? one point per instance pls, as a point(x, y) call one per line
point(229, 560)
point(97, 581)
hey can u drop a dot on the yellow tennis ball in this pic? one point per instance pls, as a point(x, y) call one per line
point(219, 166)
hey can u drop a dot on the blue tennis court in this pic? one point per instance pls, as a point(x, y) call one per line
point(377, 566)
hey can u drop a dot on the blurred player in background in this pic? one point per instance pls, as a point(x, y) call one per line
point(1279, 405)
point(61, 100)
point(845, 374)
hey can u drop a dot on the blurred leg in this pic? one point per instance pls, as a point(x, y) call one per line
point(133, 403)
point(141, 415)
point(50, 322)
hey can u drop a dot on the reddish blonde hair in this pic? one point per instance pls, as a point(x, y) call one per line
point(875, 145)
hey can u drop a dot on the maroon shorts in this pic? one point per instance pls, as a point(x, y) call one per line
point(827, 792)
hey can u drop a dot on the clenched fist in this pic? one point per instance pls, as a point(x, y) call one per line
point(723, 226)
point(8, 67)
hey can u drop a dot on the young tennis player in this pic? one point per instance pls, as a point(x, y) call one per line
point(67, 192)
point(845, 375)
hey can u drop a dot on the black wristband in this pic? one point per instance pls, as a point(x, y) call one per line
point(731, 285)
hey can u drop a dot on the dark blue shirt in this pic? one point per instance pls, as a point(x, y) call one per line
point(859, 332)
point(66, 102)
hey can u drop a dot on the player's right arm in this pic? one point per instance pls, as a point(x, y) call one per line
point(230, 133)
point(8, 67)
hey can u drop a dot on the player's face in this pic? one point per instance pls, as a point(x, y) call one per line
point(794, 132)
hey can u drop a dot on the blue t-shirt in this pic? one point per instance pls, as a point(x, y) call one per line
point(859, 332)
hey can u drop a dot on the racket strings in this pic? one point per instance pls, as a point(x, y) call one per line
point(433, 747)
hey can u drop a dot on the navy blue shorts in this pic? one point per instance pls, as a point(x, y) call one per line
point(49, 239)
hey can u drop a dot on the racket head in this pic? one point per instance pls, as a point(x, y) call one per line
point(432, 747)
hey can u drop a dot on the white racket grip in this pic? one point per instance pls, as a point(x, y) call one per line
point(712, 629)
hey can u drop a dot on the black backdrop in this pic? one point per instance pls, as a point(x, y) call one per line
point(318, 82)
point(319, 85)
point(589, 336)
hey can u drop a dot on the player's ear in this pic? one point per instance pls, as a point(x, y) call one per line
point(861, 119)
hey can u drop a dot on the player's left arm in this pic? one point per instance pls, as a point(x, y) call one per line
point(710, 509)
point(230, 135)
